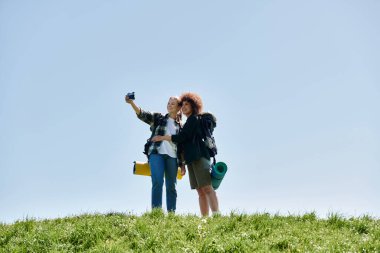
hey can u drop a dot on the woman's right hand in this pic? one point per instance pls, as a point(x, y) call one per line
point(134, 106)
point(158, 138)
point(129, 101)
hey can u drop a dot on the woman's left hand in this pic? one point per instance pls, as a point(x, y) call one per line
point(183, 170)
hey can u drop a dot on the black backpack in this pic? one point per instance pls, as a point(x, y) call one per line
point(207, 123)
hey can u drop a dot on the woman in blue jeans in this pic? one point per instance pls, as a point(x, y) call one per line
point(164, 157)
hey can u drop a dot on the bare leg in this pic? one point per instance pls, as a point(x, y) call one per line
point(212, 198)
point(203, 202)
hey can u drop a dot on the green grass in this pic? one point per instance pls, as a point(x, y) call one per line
point(158, 232)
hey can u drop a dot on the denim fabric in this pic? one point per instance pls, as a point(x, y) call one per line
point(161, 165)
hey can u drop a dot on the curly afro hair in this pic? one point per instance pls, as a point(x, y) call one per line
point(195, 101)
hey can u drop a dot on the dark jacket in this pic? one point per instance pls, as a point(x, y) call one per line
point(190, 140)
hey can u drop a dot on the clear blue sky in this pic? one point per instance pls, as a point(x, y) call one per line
point(295, 86)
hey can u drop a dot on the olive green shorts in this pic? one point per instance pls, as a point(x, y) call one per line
point(199, 173)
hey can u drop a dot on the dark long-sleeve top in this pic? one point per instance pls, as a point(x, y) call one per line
point(189, 138)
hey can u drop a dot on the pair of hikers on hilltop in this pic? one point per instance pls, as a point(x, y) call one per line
point(174, 145)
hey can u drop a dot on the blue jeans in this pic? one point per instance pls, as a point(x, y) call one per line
point(161, 165)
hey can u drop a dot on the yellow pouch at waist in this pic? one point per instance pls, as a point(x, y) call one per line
point(143, 169)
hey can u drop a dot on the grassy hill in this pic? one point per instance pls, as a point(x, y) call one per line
point(159, 232)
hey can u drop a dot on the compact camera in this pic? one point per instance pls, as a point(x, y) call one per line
point(131, 95)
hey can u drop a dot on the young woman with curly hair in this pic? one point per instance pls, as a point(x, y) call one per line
point(196, 154)
point(164, 157)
